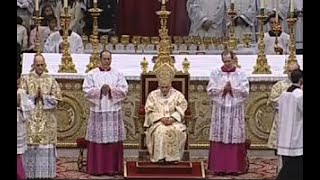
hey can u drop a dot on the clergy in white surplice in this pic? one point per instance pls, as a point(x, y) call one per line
point(164, 119)
point(24, 108)
point(44, 91)
point(290, 141)
point(25, 10)
point(270, 39)
point(54, 43)
point(207, 18)
point(246, 17)
point(22, 34)
point(276, 90)
point(105, 89)
point(283, 10)
point(228, 88)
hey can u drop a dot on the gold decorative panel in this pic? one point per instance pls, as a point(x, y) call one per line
point(73, 111)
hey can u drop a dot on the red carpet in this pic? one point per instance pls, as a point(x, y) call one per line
point(148, 170)
point(260, 168)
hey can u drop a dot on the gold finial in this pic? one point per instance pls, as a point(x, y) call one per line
point(186, 65)
point(144, 65)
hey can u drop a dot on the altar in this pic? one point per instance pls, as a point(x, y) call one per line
point(73, 110)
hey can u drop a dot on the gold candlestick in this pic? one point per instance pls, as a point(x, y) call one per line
point(67, 66)
point(232, 39)
point(261, 66)
point(94, 58)
point(37, 19)
point(165, 42)
point(144, 65)
point(292, 46)
point(186, 65)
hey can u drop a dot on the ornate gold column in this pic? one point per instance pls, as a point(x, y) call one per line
point(261, 66)
point(67, 66)
point(37, 19)
point(94, 58)
point(292, 46)
point(232, 39)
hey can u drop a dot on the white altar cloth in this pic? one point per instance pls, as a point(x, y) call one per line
point(200, 65)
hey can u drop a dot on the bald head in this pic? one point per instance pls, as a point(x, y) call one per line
point(39, 64)
point(293, 66)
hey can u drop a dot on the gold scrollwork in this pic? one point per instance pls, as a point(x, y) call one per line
point(260, 116)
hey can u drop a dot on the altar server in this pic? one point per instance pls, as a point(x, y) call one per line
point(105, 88)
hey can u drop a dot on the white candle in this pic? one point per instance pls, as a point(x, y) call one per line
point(262, 4)
point(95, 1)
point(65, 3)
point(163, 1)
point(277, 10)
point(291, 6)
point(232, 1)
point(36, 5)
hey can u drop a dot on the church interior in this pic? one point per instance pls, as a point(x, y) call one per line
point(140, 34)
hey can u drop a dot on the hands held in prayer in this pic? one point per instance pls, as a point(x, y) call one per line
point(207, 24)
point(167, 121)
point(39, 95)
point(105, 90)
point(278, 49)
point(227, 89)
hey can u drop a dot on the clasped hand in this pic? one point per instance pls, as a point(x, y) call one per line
point(167, 121)
point(39, 95)
point(227, 89)
point(105, 90)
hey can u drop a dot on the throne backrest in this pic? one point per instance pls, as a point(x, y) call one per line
point(149, 83)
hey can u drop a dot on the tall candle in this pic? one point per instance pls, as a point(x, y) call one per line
point(65, 3)
point(95, 1)
point(277, 10)
point(232, 1)
point(291, 6)
point(163, 1)
point(36, 5)
point(262, 4)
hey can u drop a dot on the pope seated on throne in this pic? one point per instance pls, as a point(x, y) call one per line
point(164, 119)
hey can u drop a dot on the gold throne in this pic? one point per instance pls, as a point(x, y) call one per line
point(149, 83)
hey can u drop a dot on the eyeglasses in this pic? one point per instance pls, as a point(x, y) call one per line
point(38, 65)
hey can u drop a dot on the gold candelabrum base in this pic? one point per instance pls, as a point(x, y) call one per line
point(292, 59)
point(95, 56)
point(67, 65)
point(261, 66)
point(37, 19)
point(165, 43)
point(232, 13)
